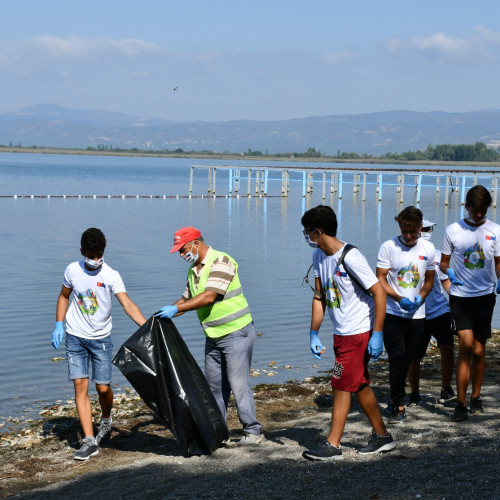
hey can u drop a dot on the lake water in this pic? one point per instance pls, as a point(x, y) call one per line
point(40, 236)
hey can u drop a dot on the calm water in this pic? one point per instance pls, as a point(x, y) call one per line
point(39, 237)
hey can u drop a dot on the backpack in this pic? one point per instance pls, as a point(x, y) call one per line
point(348, 247)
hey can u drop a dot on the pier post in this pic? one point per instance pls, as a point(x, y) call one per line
point(209, 180)
point(213, 182)
point(462, 202)
point(419, 183)
point(257, 178)
point(446, 190)
point(364, 187)
point(249, 181)
point(438, 181)
point(304, 184)
point(402, 190)
point(379, 187)
point(495, 191)
point(237, 181)
point(191, 180)
point(230, 181)
point(323, 195)
point(340, 185)
point(266, 176)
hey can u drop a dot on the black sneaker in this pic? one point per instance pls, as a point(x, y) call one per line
point(398, 416)
point(415, 399)
point(460, 413)
point(104, 433)
point(87, 449)
point(326, 452)
point(390, 409)
point(378, 444)
point(476, 406)
point(447, 395)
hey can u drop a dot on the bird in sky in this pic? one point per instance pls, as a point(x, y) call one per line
point(175, 88)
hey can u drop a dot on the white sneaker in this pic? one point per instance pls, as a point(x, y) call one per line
point(249, 438)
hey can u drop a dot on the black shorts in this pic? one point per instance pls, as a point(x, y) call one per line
point(440, 328)
point(473, 313)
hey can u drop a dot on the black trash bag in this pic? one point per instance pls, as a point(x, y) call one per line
point(158, 364)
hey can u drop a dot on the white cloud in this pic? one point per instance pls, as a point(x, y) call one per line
point(481, 43)
point(334, 58)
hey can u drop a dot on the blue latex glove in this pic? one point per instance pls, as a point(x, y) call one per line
point(498, 287)
point(376, 345)
point(167, 312)
point(406, 304)
point(451, 275)
point(57, 334)
point(316, 346)
point(417, 302)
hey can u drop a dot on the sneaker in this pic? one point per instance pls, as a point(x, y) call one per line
point(415, 399)
point(325, 453)
point(104, 433)
point(378, 444)
point(397, 417)
point(460, 413)
point(447, 395)
point(476, 405)
point(87, 449)
point(249, 438)
point(390, 409)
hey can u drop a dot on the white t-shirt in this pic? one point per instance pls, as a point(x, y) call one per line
point(351, 309)
point(407, 267)
point(436, 302)
point(89, 312)
point(474, 250)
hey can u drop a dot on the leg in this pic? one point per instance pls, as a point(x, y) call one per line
point(465, 342)
point(105, 399)
point(394, 335)
point(414, 375)
point(477, 367)
point(215, 373)
point(83, 405)
point(447, 363)
point(237, 351)
point(368, 402)
point(340, 410)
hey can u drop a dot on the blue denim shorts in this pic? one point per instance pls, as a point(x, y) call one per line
point(80, 351)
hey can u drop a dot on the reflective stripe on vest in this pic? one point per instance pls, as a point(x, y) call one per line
point(223, 316)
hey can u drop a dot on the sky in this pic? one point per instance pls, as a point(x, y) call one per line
point(214, 60)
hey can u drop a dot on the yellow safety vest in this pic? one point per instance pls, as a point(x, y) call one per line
point(224, 316)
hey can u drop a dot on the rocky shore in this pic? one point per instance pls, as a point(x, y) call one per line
point(435, 457)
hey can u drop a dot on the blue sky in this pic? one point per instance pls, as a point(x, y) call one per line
point(257, 60)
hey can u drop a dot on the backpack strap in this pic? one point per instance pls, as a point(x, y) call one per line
point(347, 248)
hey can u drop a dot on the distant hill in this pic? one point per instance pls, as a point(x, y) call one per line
point(373, 133)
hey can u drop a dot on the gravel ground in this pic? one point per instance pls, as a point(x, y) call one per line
point(435, 457)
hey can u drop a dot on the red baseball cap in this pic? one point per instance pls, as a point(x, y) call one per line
point(183, 236)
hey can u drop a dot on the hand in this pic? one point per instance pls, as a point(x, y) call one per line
point(57, 334)
point(167, 312)
point(316, 346)
point(376, 345)
point(406, 304)
point(417, 302)
point(451, 275)
point(498, 287)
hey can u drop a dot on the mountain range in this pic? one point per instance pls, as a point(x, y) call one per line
point(48, 125)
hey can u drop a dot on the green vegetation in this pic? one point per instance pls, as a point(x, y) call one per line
point(478, 152)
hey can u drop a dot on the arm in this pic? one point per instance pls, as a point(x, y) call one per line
point(444, 265)
point(62, 303)
point(130, 308)
point(379, 299)
point(428, 283)
point(382, 277)
point(318, 306)
point(206, 298)
point(446, 285)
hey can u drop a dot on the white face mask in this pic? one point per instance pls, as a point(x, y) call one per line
point(472, 221)
point(426, 235)
point(190, 257)
point(307, 237)
point(94, 264)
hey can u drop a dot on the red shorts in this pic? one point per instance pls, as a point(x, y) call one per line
point(350, 371)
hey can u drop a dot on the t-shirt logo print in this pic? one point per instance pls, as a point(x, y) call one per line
point(87, 302)
point(474, 257)
point(332, 294)
point(408, 276)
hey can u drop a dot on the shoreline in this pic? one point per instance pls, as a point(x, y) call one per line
point(144, 457)
point(263, 158)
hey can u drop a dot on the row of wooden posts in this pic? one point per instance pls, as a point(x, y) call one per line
point(452, 181)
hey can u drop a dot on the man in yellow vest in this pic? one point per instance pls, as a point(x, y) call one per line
point(214, 291)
